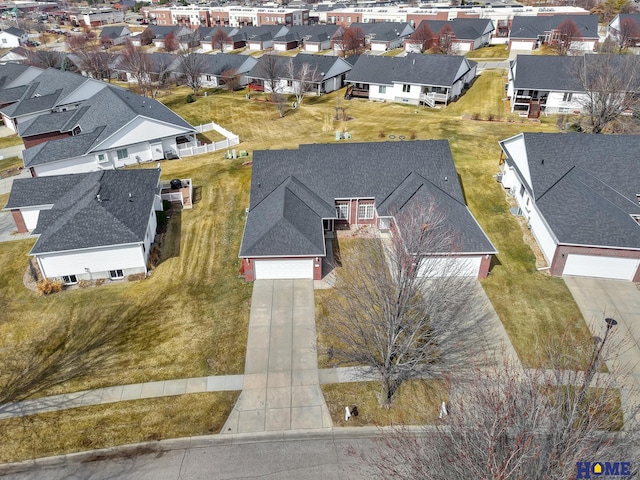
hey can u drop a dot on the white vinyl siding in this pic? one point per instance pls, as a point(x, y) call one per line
point(601, 267)
point(283, 269)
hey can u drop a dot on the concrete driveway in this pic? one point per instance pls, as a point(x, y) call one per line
point(281, 388)
point(599, 298)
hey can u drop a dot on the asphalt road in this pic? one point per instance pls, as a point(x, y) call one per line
point(320, 456)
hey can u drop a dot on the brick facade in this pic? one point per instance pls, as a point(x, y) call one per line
point(17, 218)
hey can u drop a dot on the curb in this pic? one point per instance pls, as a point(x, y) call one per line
point(143, 448)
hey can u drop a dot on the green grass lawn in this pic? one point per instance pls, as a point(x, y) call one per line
point(492, 52)
point(10, 141)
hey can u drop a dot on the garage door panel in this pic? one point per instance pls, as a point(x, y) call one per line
point(450, 266)
point(283, 269)
point(601, 267)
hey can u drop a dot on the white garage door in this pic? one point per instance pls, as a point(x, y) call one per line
point(450, 267)
point(276, 269)
point(601, 267)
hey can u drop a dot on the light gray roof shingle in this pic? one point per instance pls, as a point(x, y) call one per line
point(463, 28)
point(79, 219)
point(532, 27)
point(311, 178)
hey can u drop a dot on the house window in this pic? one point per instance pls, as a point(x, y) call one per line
point(289, 83)
point(365, 211)
point(567, 97)
point(521, 190)
point(122, 153)
point(69, 279)
point(116, 274)
point(342, 211)
point(406, 88)
point(208, 77)
point(382, 89)
point(102, 158)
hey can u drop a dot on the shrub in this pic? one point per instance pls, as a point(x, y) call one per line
point(413, 135)
point(100, 281)
point(47, 287)
point(575, 127)
point(381, 134)
point(475, 116)
point(190, 99)
point(491, 117)
point(85, 283)
point(134, 277)
point(162, 218)
point(166, 205)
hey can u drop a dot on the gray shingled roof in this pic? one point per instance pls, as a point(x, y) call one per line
point(11, 71)
point(308, 33)
point(292, 190)
point(532, 27)
point(417, 69)
point(78, 219)
point(463, 28)
point(321, 63)
point(99, 117)
point(15, 31)
point(113, 31)
point(383, 31)
point(585, 186)
point(222, 62)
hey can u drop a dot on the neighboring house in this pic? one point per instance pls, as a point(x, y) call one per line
point(13, 37)
point(414, 79)
point(468, 33)
point(14, 81)
point(326, 73)
point(552, 84)
point(160, 64)
point(625, 28)
point(298, 198)
point(185, 36)
point(530, 33)
point(206, 35)
point(579, 194)
point(254, 38)
point(114, 35)
point(380, 37)
point(51, 90)
point(91, 225)
point(112, 129)
point(15, 55)
point(216, 69)
point(311, 38)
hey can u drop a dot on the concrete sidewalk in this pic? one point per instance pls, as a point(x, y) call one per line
point(5, 183)
point(281, 382)
point(122, 393)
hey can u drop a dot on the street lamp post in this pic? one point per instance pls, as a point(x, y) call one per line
point(595, 360)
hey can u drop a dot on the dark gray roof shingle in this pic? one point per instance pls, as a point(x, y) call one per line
point(532, 27)
point(79, 219)
point(463, 28)
point(395, 174)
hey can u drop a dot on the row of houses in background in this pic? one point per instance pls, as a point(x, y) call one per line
point(92, 220)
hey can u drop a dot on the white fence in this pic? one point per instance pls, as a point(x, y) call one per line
point(197, 148)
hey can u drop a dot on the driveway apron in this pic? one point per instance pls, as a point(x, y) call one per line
point(281, 388)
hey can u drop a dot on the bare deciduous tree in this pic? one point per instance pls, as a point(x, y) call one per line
point(147, 36)
point(219, 40)
point(423, 37)
point(610, 83)
point(508, 423)
point(444, 42)
point(137, 63)
point(162, 65)
point(270, 70)
point(304, 78)
point(171, 43)
point(399, 310)
point(628, 34)
point(566, 35)
point(191, 68)
point(230, 79)
point(352, 41)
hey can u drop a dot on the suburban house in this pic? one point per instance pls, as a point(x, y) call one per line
point(467, 33)
point(379, 37)
point(324, 73)
point(219, 68)
point(13, 37)
point(14, 81)
point(624, 29)
point(15, 55)
point(579, 194)
point(297, 201)
point(91, 225)
point(529, 33)
point(114, 35)
point(52, 90)
point(310, 38)
point(556, 84)
point(415, 79)
point(160, 64)
point(112, 129)
point(185, 36)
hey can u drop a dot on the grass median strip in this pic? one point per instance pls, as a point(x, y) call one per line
point(101, 426)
